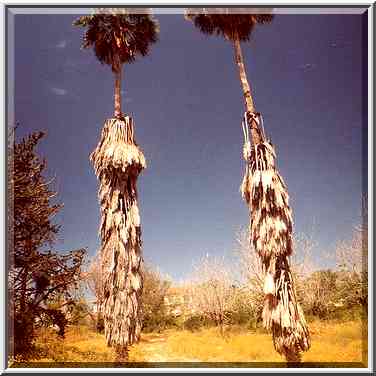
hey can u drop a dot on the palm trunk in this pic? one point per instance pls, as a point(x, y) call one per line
point(118, 93)
point(117, 162)
point(255, 132)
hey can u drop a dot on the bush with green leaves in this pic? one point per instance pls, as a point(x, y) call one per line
point(37, 274)
point(155, 314)
point(196, 322)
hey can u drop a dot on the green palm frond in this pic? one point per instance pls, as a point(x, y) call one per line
point(117, 35)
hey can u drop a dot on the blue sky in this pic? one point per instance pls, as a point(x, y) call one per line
point(308, 77)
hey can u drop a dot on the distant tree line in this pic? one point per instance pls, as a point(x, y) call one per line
point(223, 295)
point(341, 293)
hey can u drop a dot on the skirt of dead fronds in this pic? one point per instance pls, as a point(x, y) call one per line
point(270, 232)
point(117, 162)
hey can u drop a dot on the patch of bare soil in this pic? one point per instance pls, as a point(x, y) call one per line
point(155, 350)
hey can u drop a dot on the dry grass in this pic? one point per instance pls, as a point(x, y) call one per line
point(208, 345)
point(80, 345)
point(338, 342)
point(331, 342)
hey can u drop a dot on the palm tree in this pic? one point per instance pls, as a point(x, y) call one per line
point(235, 28)
point(270, 228)
point(118, 37)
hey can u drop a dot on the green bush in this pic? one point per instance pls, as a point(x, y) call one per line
point(244, 316)
point(196, 322)
point(341, 314)
point(158, 322)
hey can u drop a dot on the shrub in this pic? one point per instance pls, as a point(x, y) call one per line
point(159, 322)
point(196, 322)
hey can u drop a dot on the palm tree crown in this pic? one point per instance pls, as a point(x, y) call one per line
point(231, 26)
point(118, 36)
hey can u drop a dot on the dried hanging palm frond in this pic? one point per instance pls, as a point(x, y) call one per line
point(117, 162)
point(270, 232)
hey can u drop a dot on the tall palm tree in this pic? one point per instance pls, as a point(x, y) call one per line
point(236, 28)
point(270, 228)
point(118, 37)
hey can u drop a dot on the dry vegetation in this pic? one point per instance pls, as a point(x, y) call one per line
point(331, 342)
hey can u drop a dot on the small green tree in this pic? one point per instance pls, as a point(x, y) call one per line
point(155, 315)
point(37, 274)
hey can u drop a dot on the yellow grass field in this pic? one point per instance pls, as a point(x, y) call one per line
point(331, 342)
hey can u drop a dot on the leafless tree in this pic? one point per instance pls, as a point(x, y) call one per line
point(93, 281)
point(352, 256)
point(253, 276)
point(352, 262)
point(93, 278)
point(212, 289)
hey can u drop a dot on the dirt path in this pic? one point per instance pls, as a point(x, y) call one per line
point(154, 349)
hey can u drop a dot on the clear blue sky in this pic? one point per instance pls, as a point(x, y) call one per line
point(307, 74)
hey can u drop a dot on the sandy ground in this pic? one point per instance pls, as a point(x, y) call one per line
point(154, 350)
